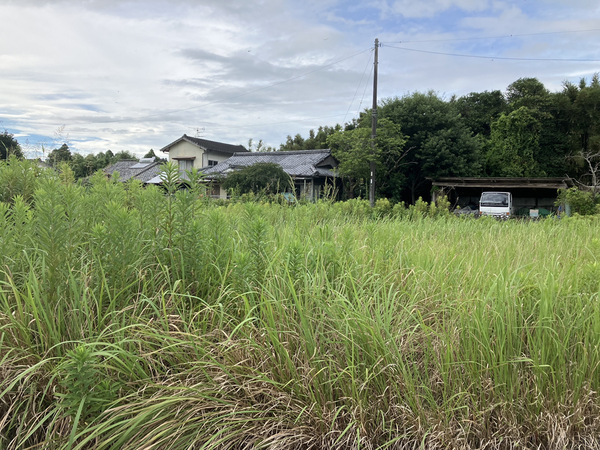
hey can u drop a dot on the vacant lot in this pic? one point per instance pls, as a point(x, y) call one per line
point(134, 319)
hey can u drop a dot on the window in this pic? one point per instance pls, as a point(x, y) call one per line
point(212, 162)
point(494, 199)
point(185, 164)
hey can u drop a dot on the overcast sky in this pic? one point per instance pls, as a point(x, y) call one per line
point(136, 75)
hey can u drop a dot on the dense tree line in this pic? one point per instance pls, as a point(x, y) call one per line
point(9, 146)
point(527, 131)
point(82, 166)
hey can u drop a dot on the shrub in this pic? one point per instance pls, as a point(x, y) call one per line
point(581, 202)
point(18, 177)
point(267, 178)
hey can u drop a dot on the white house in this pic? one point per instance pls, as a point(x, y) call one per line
point(198, 153)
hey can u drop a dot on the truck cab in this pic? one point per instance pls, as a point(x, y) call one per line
point(497, 204)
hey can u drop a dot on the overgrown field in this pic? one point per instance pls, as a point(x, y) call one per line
point(134, 319)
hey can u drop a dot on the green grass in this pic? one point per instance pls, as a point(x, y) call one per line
point(133, 320)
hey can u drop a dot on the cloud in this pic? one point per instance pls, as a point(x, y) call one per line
point(432, 8)
point(134, 75)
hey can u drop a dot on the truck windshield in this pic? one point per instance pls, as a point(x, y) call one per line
point(494, 199)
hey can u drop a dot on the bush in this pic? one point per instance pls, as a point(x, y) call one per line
point(18, 177)
point(383, 207)
point(581, 202)
point(260, 178)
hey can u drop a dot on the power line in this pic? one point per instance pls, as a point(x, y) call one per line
point(507, 58)
point(358, 87)
point(496, 37)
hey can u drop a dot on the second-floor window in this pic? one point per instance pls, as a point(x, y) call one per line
point(185, 164)
point(212, 162)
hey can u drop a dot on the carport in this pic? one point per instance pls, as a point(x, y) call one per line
point(528, 193)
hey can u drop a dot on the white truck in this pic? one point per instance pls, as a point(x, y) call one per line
point(497, 204)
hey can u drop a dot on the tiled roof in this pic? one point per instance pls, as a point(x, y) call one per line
point(301, 163)
point(143, 170)
point(211, 146)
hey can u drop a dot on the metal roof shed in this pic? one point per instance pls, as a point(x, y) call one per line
point(528, 193)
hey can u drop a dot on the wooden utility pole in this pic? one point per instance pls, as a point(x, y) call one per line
point(373, 128)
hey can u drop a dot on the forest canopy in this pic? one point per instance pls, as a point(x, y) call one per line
point(526, 131)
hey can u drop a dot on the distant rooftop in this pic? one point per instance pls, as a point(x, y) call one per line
point(143, 170)
point(301, 163)
point(212, 146)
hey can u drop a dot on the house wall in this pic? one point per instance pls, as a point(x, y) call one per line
point(214, 157)
point(186, 150)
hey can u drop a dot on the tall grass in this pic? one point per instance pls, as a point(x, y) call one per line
point(131, 318)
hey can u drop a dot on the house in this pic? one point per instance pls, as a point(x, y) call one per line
point(40, 164)
point(190, 152)
point(144, 170)
point(310, 170)
point(528, 193)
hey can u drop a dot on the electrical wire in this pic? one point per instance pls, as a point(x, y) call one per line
point(506, 58)
point(365, 91)
point(496, 37)
point(358, 87)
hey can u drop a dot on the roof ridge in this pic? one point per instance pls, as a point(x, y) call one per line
point(211, 141)
point(285, 152)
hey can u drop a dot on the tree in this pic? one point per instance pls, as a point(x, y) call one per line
point(151, 154)
point(315, 141)
point(514, 145)
point(78, 166)
point(545, 108)
point(259, 178)
point(479, 110)
point(260, 147)
point(529, 92)
point(58, 155)
point(293, 143)
point(354, 151)
point(352, 148)
point(9, 146)
point(124, 154)
point(438, 142)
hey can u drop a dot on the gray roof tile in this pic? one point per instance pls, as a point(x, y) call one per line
point(301, 163)
point(211, 146)
point(129, 168)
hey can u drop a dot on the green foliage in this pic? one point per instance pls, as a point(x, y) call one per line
point(9, 146)
point(515, 145)
point(480, 109)
point(85, 392)
point(418, 210)
point(124, 154)
point(529, 93)
point(328, 325)
point(438, 142)
point(383, 207)
point(19, 178)
point(59, 155)
point(260, 178)
point(529, 131)
point(316, 140)
point(354, 150)
point(581, 202)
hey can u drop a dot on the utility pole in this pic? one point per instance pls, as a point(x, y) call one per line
point(373, 128)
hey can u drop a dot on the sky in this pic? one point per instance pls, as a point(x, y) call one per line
point(137, 75)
